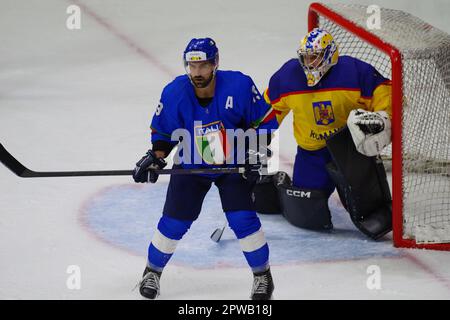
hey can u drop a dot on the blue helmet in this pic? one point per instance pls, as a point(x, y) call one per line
point(201, 49)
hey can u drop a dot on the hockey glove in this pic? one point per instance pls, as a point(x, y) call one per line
point(371, 131)
point(145, 168)
point(256, 163)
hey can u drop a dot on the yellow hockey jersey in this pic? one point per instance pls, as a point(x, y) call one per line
point(322, 110)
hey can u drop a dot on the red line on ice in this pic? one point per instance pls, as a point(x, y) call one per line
point(421, 264)
point(124, 38)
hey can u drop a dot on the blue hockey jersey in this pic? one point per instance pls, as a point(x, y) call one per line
point(204, 131)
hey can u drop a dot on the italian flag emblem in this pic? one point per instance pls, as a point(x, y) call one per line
point(212, 143)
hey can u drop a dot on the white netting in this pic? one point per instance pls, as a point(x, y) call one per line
point(426, 106)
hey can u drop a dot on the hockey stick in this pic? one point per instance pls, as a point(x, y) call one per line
point(20, 170)
point(217, 234)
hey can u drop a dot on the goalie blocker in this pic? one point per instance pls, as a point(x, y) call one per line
point(361, 184)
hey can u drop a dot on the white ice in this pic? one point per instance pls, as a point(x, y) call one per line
point(83, 100)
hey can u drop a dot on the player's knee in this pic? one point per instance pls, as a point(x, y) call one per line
point(243, 223)
point(306, 208)
point(173, 228)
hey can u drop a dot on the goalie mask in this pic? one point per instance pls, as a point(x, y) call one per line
point(318, 52)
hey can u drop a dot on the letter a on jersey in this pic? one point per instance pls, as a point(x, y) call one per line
point(229, 104)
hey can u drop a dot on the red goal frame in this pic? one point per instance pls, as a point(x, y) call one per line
point(316, 10)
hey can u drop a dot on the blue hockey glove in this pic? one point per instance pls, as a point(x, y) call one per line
point(145, 168)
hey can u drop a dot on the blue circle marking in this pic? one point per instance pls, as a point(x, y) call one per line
point(127, 217)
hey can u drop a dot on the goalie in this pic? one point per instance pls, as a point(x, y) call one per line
point(327, 94)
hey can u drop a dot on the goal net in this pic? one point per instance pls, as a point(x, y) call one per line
point(416, 56)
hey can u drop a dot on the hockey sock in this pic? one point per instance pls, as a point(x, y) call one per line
point(165, 240)
point(247, 227)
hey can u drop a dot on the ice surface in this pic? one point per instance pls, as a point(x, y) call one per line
point(83, 99)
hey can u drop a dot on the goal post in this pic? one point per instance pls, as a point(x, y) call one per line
point(416, 57)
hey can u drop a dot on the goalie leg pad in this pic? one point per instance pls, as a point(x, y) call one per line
point(362, 186)
point(305, 208)
point(265, 193)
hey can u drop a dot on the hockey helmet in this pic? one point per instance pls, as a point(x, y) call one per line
point(201, 49)
point(198, 50)
point(318, 52)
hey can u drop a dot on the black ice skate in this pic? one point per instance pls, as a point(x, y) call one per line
point(262, 286)
point(149, 285)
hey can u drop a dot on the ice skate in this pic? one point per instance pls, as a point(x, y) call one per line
point(262, 286)
point(149, 285)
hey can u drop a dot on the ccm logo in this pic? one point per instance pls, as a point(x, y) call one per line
point(298, 193)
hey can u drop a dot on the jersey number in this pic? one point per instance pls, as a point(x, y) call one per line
point(159, 108)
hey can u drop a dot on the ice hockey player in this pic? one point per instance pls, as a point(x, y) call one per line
point(327, 93)
point(206, 102)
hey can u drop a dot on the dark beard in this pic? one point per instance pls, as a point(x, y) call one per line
point(200, 82)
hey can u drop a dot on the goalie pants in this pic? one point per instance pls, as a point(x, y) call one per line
point(184, 200)
point(310, 170)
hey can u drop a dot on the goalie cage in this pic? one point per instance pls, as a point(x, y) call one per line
point(416, 56)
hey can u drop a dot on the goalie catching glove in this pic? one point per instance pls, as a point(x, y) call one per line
point(371, 131)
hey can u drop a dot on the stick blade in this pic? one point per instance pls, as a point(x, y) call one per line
point(11, 163)
point(217, 234)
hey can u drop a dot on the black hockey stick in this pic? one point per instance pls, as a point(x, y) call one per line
point(20, 170)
